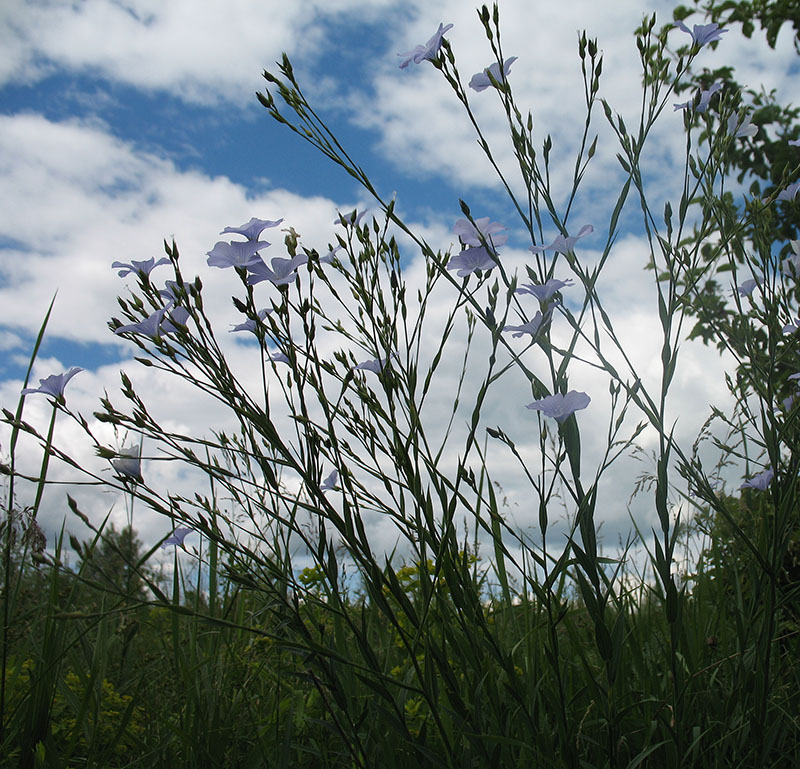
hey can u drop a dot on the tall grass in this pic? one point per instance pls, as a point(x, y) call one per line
point(297, 642)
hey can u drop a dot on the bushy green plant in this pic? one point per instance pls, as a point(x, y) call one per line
point(543, 652)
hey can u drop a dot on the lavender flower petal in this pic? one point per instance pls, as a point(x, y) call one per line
point(427, 51)
point(481, 81)
point(560, 406)
point(176, 538)
point(471, 260)
point(54, 384)
point(253, 228)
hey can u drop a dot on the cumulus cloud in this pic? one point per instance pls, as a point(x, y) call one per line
point(77, 198)
point(204, 53)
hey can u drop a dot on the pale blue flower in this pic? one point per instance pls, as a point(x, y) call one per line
point(544, 291)
point(329, 484)
point(794, 377)
point(236, 253)
point(482, 231)
point(531, 327)
point(278, 357)
point(702, 33)
point(170, 292)
point(791, 265)
point(129, 464)
point(760, 481)
point(353, 218)
point(54, 384)
point(704, 100)
point(787, 403)
point(471, 260)
point(790, 193)
point(179, 315)
point(791, 327)
point(562, 244)
point(741, 131)
point(283, 271)
point(560, 406)
point(375, 366)
point(253, 228)
point(747, 288)
point(250, 324)
point(177, 537)
point(329, 257)
point(427, 51)
point(150, 326)
point(794, 142)
point(481, 81)
point(142, 268)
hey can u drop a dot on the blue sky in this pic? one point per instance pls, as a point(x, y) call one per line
point(124, 122)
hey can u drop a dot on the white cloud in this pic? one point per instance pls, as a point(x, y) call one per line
point(202, 52)
point(79, 198)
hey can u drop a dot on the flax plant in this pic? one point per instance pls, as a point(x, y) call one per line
point(473, 643)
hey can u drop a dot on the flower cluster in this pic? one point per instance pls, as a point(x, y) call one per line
point(481, 239)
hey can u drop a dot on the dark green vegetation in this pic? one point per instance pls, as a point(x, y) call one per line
point(486, 647)
point(435, 672)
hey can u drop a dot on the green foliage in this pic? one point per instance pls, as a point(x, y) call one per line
point(771, 15)
point(114, 563)
point(549, 653)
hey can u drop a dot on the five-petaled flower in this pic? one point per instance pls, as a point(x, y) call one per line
point(531, 327)
point(760, 481)
point(329, 484)
point(703, 101)
point(353, 218)
point(177, 537)
point(331, 255)
point(742, 130)
point(170, 292)
point(142, 268)
point(253, 228)
point(179, 315)
point(278, 357)
point(375, 366)
point(427, 51)
point(747, 288)
point(250, 325)
point(128, 464)
point(54, 384)
point(702, 33)
point(482, 231)
point(560, 406)
point(563, 244)
point(544, 291)
point(471, 260)
point(236, 253)
point(283, 272)
point(791, 265)
point(150, 326)
point(482, 81)
point(790, 193)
